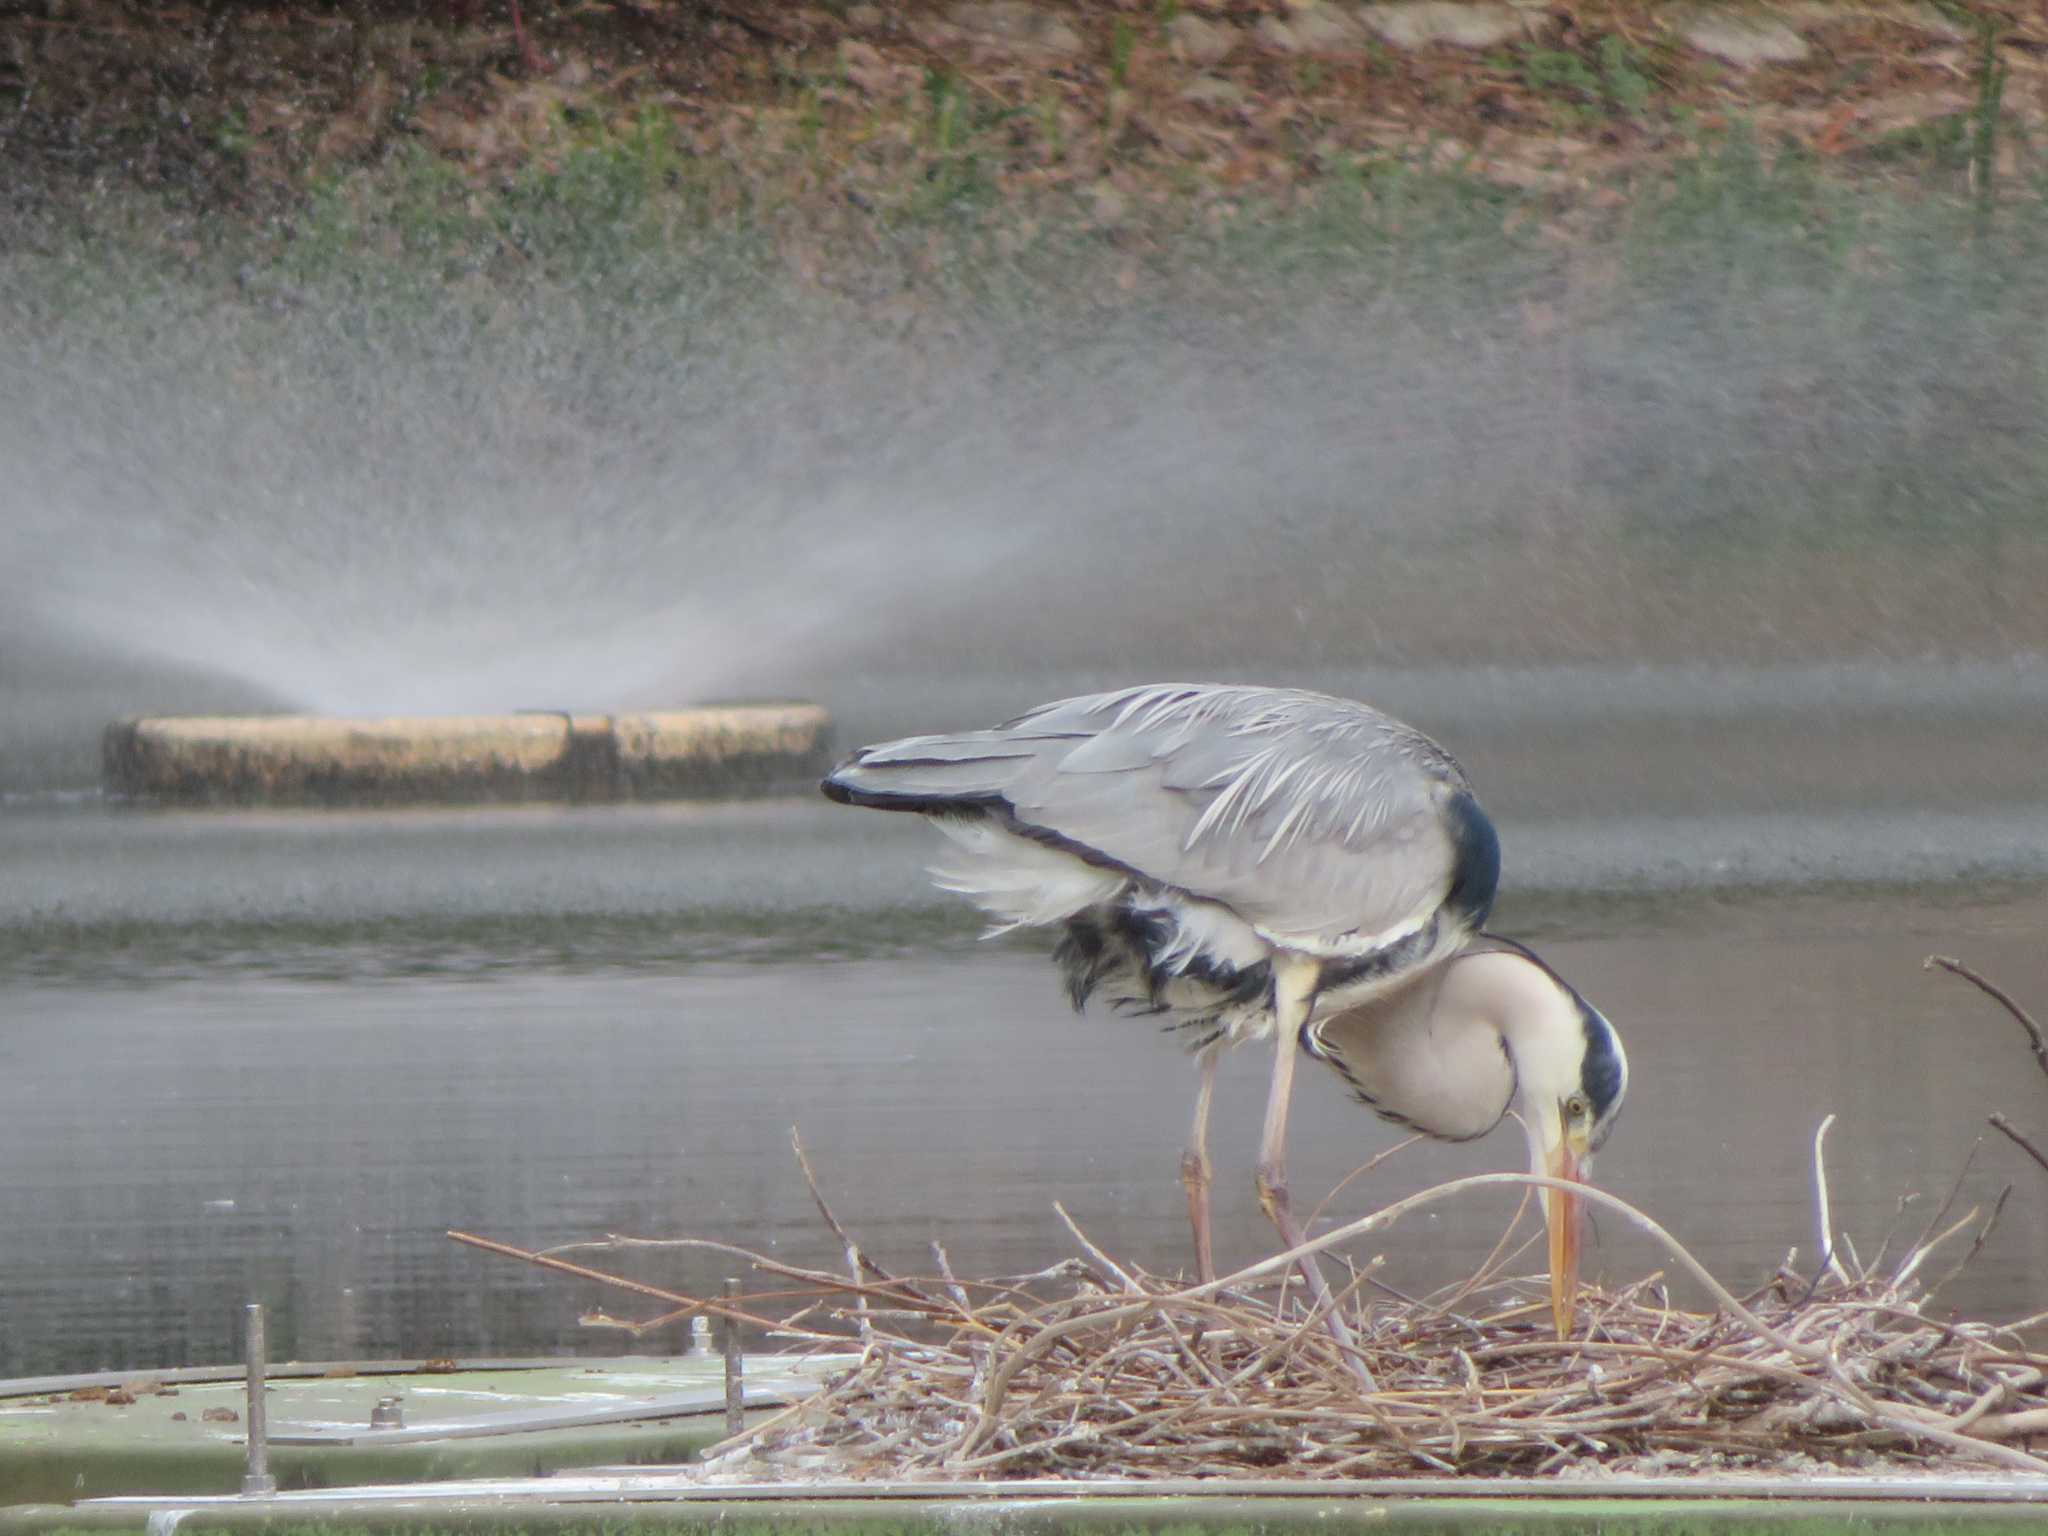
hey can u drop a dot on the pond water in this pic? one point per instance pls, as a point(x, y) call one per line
point(275, 1057)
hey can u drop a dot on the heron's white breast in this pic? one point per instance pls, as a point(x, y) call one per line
point(1418, 1056)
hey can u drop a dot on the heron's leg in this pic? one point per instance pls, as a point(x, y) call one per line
point(1194, 1166)
point(1294, 982)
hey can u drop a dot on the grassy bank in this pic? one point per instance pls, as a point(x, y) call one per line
point(1823, 354)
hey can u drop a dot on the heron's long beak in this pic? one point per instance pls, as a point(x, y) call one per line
point(1566, 1215)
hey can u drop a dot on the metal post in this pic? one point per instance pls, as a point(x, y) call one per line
point(257, 1478)
point(735, 1363)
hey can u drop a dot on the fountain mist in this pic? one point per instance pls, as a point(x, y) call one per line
point(361, 499)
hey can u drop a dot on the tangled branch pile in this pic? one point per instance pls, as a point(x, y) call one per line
point(1091, 1369)
point(1095, 1369)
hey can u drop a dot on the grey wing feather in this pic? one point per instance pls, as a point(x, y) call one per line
point(1316, 819)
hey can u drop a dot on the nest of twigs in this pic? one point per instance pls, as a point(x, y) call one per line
point(1097, 1369)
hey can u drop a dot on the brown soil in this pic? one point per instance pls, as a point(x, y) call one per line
point(874, 107)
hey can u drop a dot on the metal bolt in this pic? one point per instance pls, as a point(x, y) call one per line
point(700, 1335)
point(256, 1478)
point(388, 1414)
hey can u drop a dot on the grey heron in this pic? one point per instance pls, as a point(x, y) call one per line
point(1264, 863)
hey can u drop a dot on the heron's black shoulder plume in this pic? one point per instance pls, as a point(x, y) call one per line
point(1475, 873)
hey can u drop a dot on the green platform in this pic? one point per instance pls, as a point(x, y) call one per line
point(582, 1506)
point(498, 1448)
point(61, 1441)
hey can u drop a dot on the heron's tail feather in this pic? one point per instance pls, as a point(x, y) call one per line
point(932, 774)
point(1017, 882)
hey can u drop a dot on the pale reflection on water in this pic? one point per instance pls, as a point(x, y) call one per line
point(173, 1150)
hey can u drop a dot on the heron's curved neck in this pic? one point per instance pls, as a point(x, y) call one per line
point(1454, 1050)
point(1539, 1023)
point(1537, 1020)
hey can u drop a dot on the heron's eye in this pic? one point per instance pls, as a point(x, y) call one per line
point(1575, 1107)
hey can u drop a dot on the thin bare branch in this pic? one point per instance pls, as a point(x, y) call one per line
point(858, 1263)
point(2007, 1129)
point(2035, 1039)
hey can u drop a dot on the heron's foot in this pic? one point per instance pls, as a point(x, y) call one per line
point(1195, 1179)
point(1271, 1182)
point(1274, 1200)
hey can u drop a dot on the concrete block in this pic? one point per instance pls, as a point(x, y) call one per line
point(255, 759)
point(455, 759)
point(721, 750)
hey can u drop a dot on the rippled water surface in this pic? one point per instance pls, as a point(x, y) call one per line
point(276, 1057)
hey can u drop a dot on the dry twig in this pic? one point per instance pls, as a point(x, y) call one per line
point(2006, 1128)
point(2035, 1039)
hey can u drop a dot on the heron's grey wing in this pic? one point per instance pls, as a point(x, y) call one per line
point(963, 771)
point(1322, 822)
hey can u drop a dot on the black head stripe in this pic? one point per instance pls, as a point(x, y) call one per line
point(1601, 1074)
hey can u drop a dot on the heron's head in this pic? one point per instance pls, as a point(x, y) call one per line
point(1570, 1078)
